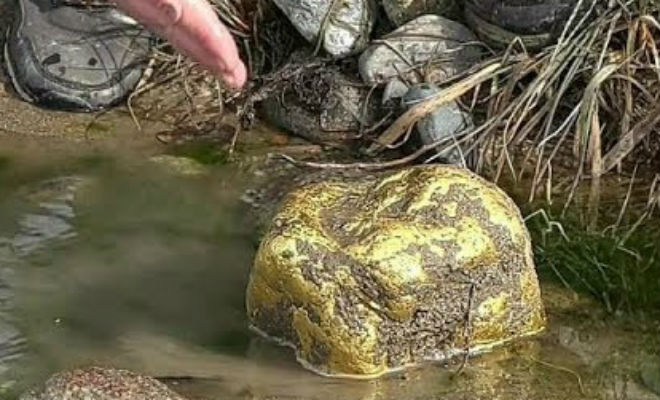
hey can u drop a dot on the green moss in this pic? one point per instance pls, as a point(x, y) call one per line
point(204, 153)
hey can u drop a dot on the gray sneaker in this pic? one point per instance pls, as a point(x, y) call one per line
point(74, 58)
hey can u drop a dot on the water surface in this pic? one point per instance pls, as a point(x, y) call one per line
point(108, 258)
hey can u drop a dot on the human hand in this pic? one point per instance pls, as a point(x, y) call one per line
point(193, 28)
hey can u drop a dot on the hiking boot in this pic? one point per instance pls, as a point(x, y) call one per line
point(538, 23)
point(74, 58)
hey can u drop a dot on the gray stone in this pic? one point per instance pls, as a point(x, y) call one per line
point(335, 116)
point(443, 124)
point(402, 11)
point(442, 46)
point(348, 24)
point(394, 90)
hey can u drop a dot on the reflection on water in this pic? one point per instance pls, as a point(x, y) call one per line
point(51, 222)
point(108, 259)
point(103, 251)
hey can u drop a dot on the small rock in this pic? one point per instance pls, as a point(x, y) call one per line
point(97, 383)
point(444, 46)
point(179, 165)
point(347, 27)
point(394, 90)
point(329, 116)
point(402, 11)
point(443, 124)
point(588, 351)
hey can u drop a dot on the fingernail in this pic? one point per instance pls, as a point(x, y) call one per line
point(236, 78)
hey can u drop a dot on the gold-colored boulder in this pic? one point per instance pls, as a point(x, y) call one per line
point(369, 275)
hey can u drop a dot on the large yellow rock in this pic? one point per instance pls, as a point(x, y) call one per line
point(365, 276)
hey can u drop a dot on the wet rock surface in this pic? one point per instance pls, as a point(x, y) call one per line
point(96, 383)
point(345, 27)
point(369, 275)
point(402, 11)
point(442, 46)
point(333, 111)
point(443, 125)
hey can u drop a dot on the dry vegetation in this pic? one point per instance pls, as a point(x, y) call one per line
point(585, 107)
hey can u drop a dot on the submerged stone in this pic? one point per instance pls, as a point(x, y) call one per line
point(345, 28)
point(97, 383)
point(363, 276)
point(430, 45)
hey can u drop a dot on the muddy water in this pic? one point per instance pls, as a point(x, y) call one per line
point(107, 258)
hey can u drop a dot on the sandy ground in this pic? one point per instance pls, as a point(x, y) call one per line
point(20, 119)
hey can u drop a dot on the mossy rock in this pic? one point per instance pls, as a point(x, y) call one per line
point(369, 275)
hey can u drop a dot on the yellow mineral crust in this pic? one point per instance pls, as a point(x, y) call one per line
point(369, 275)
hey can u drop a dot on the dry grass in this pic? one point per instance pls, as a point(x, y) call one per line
point(585, 103)
point(587, 106)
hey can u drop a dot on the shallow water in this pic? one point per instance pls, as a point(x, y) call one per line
point(107, 258)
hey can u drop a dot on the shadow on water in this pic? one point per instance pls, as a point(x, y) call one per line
point(108, 259)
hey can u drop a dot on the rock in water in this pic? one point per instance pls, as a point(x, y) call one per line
point(369, 275)
point(442, 125)
point(97, 383)
point(347, 25)
point(402, 11)
point(443, 46)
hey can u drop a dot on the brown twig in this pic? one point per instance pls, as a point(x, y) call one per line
point(467, 331)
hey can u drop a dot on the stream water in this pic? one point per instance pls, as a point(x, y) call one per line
point(107, 258)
